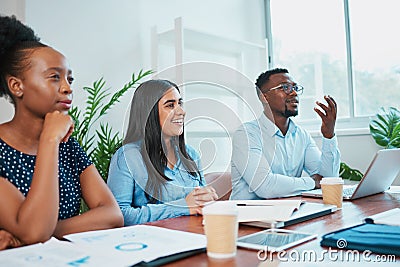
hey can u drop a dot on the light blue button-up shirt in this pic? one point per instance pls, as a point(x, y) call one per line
point(267, 164)
point(127, 180)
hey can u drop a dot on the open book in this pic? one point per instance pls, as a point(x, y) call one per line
point(279, 213)
point(390, 217)
point(266, 210)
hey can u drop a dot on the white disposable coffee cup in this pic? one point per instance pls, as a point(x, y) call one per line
point(332, 190)
point(221, 229)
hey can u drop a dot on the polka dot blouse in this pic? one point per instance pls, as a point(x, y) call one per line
point(18, 167)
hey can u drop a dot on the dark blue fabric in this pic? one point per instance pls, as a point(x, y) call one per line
point(378, 238)
point(18, 167)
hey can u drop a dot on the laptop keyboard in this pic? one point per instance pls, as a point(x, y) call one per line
point(348, 191)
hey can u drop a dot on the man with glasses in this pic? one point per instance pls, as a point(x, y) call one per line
point(271, 154)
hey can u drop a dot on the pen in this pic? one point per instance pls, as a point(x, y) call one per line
point(244, 204)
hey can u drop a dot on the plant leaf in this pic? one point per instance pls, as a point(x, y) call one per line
point(385, 127)
point(106, 147)
point(117, 95)
point(346, 172)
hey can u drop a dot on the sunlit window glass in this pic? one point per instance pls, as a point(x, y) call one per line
point(309, 40)
point(375, 51)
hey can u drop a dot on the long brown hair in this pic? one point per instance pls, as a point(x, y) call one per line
point(144, 126)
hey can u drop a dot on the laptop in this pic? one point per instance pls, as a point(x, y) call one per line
point(381, 172)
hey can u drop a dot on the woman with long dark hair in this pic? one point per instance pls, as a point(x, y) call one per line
point(155, 175)
point(44, 172)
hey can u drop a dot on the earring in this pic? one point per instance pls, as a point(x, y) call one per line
point(19, 93)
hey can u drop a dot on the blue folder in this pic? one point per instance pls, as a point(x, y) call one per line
point(378, 238)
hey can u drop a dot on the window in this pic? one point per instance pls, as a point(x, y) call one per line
point(344, 48)
point(376, 59)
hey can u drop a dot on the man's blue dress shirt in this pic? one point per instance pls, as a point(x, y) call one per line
point(267, 164)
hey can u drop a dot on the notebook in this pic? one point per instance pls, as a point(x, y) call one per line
point(380, 174)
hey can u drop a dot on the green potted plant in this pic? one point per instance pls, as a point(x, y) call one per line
point(100, 146)
point(98, 139)
point(385, 129)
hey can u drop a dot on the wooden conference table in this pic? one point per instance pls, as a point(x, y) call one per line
point(352, 213)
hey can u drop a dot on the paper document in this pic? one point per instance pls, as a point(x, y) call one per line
point(390, 217)
point(118, 247)
point(266, 210)
point(53, 253)
point(130, 245)
point(394, 189)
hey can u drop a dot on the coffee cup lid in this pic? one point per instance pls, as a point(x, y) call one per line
point(220, 208)
point(331, 180)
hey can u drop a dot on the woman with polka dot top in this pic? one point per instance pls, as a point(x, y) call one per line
point(43, 172)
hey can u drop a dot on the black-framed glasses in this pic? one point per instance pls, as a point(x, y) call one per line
point(288, 88)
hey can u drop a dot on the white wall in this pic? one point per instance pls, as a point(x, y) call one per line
point(10, 7)
point(17, 8)
point(111, 38)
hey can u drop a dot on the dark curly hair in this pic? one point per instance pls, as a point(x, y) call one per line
point(17, 42)
point(264, 77)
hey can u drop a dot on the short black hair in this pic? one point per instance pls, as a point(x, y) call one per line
point(264, 77)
